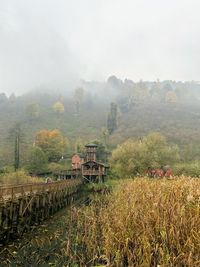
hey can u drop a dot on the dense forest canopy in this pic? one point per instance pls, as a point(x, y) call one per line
point(110, 111)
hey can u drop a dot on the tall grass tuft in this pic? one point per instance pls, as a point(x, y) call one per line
point(18, 177)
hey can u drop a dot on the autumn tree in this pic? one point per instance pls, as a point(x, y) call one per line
point(52, 143)
point(141, 92)
point(135, 156)
point(171, 97)
point(167, 88)
point(58, 108)
point(37, 161)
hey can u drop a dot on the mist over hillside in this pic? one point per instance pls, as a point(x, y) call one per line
point(169, 107)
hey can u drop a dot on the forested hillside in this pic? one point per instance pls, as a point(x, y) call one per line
point(110, 112)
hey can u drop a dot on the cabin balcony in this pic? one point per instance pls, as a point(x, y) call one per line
point(92, 172)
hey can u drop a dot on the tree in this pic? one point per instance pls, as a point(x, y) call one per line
point(112, 118)
point(101, 150)
point(58, 107)
point(105, 135)
point(114, 82)
point(141, 92)
point(136, 156)
point(52, 143)
point(165, 89)
point(79, 146)
point(3, 98)
point(37, 161)
point(181, 91)
point(12, 98)
point(33, 110)
point(171, 97)
point(16, 136)
point(155, 91)
point(78, 97)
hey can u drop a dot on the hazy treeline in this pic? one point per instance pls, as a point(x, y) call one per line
point(110, 111)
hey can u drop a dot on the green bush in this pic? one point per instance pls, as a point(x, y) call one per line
point(189, 169)
point(18, 177)
point(37, 161)
point(133, 157)
point(55, 167)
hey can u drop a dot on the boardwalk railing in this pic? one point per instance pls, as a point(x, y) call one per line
point(22, 206)
point(15, 191)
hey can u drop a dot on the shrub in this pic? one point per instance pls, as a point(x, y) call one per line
point(18, 177)
point(189, 169)
point(37, 161)
point(135, 156)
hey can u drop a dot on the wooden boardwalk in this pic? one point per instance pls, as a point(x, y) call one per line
point(22, 206)
point(15, 191)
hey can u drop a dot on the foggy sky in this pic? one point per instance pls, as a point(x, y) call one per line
point(55, 43)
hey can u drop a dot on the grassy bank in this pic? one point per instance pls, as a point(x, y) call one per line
point(142, 223)
point(19, 177)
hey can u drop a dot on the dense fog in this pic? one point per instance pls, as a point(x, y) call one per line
point(54, 44)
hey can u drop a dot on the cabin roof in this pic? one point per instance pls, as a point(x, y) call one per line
point(77, 154)
point(91, 145)
point(98, 163)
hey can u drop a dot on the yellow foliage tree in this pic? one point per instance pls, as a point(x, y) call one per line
point(171, 97)
point(58, 107)
point(52, 143)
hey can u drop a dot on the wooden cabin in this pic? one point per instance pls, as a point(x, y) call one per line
point(88, 168)
point(91, 169)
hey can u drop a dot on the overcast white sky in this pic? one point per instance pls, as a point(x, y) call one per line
point(55, 42)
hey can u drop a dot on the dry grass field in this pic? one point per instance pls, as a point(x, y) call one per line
point(143, 222)
point(19, 177)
